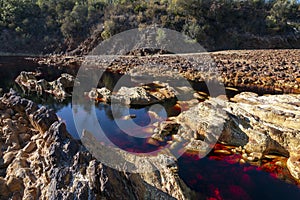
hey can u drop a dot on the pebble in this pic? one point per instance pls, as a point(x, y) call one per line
point(239, 149)
point(221, 151)
point(244, 155)
point(251, 159)
point(279, 163)
point(242, 161)
point(256, 155)
point(127, 117)
point(269, 156)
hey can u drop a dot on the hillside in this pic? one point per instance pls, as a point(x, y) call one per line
point(76, 26)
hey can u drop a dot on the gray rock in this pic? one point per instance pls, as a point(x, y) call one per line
point(59, 87)
point(260, 124)
point(139, 96)
point(55, 166)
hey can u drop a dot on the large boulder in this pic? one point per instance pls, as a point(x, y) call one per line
point(50, 164)
point(146, 94)
point(102, 94)
point(60, 87)
point(260, 124)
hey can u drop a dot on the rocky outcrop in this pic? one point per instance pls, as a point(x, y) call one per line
point(262, 71)
point(40, 160)
point(259, 124)
point(60, 87)
point(139, 96)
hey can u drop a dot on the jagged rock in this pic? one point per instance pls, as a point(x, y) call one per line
point(14, 184)
point(29, 147)
point(142, 95)
point(52, 165)
point(102, 94)
point(293, 164)
point(4, 192)
point(260, 124)
point(26, 76)
point(164, 129)
point(42, 119)
point(8, 158)
point(59, 88)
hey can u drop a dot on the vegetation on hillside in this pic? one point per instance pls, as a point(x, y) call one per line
point(45, 26)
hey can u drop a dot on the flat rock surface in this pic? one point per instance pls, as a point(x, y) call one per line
point(39, 159)
point(263, 71)
point(259, 124)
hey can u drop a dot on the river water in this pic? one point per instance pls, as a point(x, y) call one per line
point(216, 176)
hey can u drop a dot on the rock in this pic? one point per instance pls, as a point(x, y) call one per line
point(293, 164)
point(4, 192)
point(222, 151)
point(132, 96)
point(24, 137)
point(139, 96)
point(102, 94)
point(30, 147)
point(31, 193)
point(53, 165)
point(42, 119)
point(127, 117)
point(42, 85)
point(259, 124)
point(26, 76)
point(197, 146)
point(8, 157)
point(59, 88)
point(164, 129)
point(14, 184)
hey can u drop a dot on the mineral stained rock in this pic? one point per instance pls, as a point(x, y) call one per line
point(262, 71)
point(59, 87)
point(40, 160)
point(259, 124)
point(140, 96)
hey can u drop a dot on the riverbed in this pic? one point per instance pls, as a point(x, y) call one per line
point(220, 175)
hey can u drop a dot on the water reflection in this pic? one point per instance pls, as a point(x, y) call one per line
point(222, 179)
point(213, 177)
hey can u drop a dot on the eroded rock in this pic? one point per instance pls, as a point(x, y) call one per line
point(50, 164)
point(137, 96)
point(259, 124)
point(60, 87)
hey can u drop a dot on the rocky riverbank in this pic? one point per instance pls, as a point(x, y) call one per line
point(60, 88)
point(136, 96)
point(41, 160)
point(262, 71)
point(261, 125)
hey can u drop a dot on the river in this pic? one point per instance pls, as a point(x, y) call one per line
point(217, 176)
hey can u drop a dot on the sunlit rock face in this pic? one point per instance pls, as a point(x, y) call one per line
point(41, 160)
point(146, 94)
point(260, 124)
point(60, 87)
